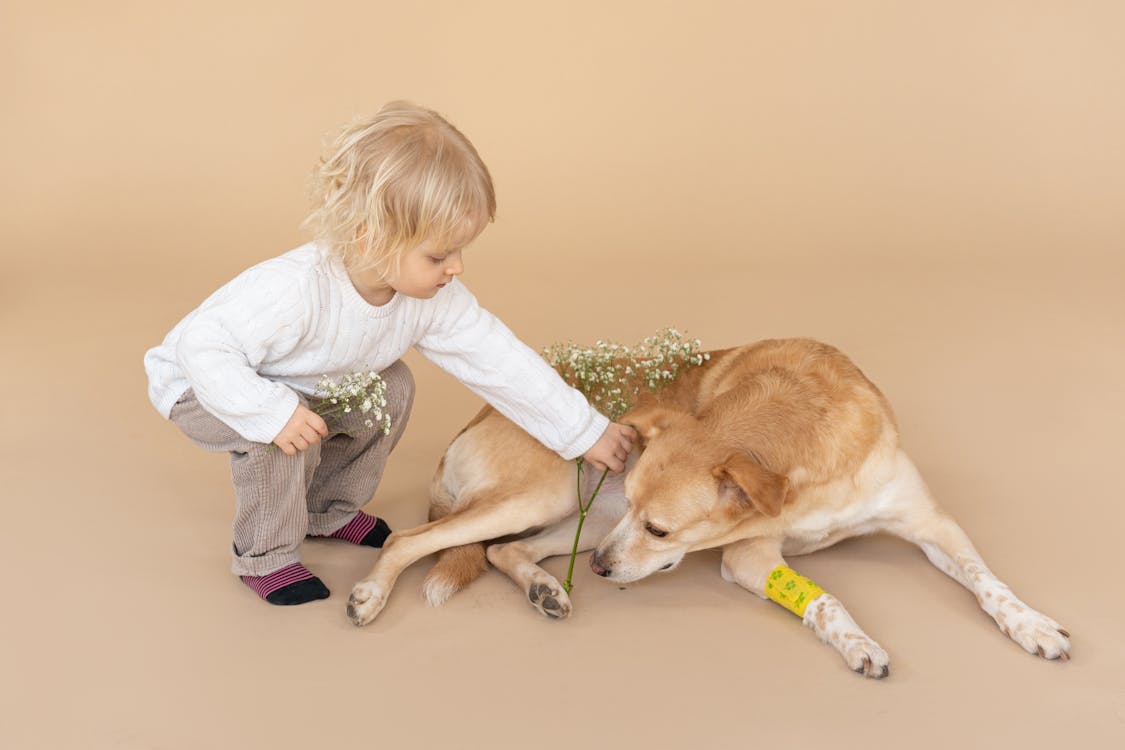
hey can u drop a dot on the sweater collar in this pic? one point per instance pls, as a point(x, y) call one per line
point(351, 295)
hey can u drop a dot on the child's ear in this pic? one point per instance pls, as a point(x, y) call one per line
point(650, 420)
point(750, 484)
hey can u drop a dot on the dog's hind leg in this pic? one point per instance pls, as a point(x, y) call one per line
point(455, 567)
point(757, 566)
point(949, 549)
point(519, 559)
point(473, 523)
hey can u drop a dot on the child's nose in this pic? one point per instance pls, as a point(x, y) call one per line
point(456, 268)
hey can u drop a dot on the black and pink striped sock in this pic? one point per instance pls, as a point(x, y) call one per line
point(363, 529)
point(293, 584)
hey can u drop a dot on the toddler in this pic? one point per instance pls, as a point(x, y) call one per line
point(397, 199)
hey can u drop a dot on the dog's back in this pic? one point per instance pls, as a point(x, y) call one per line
point(795, 403)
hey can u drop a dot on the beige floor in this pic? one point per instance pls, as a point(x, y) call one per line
point(952, 220)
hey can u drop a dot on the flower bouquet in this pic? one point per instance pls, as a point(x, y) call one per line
point(363, 392)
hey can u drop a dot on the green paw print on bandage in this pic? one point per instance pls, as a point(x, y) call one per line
point(791, 590)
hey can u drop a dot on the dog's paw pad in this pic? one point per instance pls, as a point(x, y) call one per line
point(549, 600)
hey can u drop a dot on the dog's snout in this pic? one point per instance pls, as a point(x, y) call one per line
point(597, 567)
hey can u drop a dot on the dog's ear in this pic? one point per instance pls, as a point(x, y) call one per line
point(649, 420)
point(751, 484)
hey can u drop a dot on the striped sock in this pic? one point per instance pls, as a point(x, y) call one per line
point(363, 529)
point(293, 584)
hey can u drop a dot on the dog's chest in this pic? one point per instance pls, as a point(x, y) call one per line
point(830, 514)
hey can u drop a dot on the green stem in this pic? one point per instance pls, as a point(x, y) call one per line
point(578, 461)
point(582, 511)
point(597, 489)
point(337, 409)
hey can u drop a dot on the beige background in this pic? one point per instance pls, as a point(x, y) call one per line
point(934, 187)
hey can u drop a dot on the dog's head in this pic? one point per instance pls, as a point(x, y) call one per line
point(685, 490)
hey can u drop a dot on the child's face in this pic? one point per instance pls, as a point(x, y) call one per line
point(428, 267)
point(423, 270)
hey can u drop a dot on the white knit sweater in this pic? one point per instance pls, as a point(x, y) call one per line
point(281, 325)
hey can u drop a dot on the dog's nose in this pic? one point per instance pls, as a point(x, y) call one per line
point(596, 566)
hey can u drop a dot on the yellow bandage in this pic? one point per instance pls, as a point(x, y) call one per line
point(791, 590)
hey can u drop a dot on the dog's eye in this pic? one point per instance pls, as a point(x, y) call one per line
point(655, 531)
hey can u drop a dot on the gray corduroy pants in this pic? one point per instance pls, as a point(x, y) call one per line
point(280, 499)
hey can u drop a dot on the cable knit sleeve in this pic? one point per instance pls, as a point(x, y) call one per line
point(260, 316)
point(473, 346)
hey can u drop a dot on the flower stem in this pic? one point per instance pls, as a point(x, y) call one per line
point(582, 511)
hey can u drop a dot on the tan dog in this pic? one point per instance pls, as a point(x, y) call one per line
point(776, 448)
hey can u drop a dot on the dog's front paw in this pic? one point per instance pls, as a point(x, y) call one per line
point(834, 626)
point(865, 656)
point(365, 603)
point(1033, 630)
point(550, 599)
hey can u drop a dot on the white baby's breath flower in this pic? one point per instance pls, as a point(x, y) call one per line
point(611, 375)
point(364, 392)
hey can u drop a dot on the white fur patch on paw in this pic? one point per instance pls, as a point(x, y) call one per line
point(865, 656)
point(365, 603)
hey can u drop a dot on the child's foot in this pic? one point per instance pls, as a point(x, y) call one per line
point(293, 584)
point(364, 529)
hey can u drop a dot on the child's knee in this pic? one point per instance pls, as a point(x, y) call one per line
point(400, 389)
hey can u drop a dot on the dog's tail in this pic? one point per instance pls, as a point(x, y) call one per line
point(455, 569)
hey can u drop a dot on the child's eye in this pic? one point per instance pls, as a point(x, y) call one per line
point(436, 261)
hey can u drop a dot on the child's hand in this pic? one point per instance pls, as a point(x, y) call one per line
point(303, 429)
point(612, 448)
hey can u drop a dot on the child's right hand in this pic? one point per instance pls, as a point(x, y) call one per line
point(303, 429)
point(613, 448)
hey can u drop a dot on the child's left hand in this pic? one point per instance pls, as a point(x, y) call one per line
point(612, 448)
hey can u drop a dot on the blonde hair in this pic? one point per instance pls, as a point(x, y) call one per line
point(392, 181)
